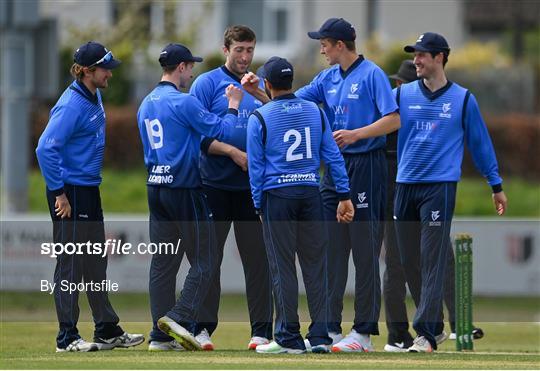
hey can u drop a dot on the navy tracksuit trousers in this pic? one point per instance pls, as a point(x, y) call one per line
point(295, 227)
point(423, 217)
point(85, 224)
point(179, 213)
point(367, 174)
point(394, 280)
point(237, 206)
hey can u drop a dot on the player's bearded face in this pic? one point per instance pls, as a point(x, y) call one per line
point(239, 56)
point(99, 77)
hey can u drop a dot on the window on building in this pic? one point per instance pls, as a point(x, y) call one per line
point(268, 18)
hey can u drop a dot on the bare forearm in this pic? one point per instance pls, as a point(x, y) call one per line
point(382, 126)
point(220, 148)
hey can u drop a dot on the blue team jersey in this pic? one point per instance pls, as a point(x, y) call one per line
point(433, 129)
point(286, 150)
point(353, 99)
point(171, 124)
point(220, 171)
point(70, 149)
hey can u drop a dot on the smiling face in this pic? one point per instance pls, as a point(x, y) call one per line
point(239, 56)
point(426, 65)
point(331, 50)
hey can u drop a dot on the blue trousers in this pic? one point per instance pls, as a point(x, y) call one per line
point(85, 224)
point(180, 214)
point(295, 227)
point(423, 217)
point(367, 175)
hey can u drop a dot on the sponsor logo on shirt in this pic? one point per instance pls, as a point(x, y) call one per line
point(415, 107)
point(353, 95)
point(332, 91)
point(292, 178)
point(362, 201)
point(291, 107)
point(446, 108)
point(435, 215)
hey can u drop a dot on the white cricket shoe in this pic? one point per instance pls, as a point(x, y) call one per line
point(421, 345)
point(354, 342)
point(257, 340)
point(180, 334)
point(163, 346)
point(125, 340)
point(79, 345)
point(397, 347)
point(275, 348)
point(204, 339)
point(452, 336)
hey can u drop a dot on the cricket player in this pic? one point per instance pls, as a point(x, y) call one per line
point(171, 124)
point(437, 117)
point(226, 185)
point(355, 94)
point(287, 139)
point(70, 155)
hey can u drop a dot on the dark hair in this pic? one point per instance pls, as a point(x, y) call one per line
point(282, 85)
point(238, 33)
point(445, 57)
point(169, 69)
point(350, 45)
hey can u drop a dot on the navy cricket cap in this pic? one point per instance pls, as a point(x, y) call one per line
point(406, 72)
point(95, 54)
point(278, 72)
point(174, 54)
point(335, 28)
point(429, 42)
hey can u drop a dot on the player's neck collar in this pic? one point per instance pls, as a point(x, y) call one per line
point(232, 75)
point(285, 96)
point(435, 94)
point(351, 68)
point(80, 88)
point(165, 83)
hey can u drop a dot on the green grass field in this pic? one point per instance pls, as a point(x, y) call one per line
point(124, 191)
point(28, 329)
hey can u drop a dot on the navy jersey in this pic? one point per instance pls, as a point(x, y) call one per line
point(433, 129)
point(353, 99)
point(70, 149)
point(287, 148)
point(220, 171)
point(171, 124)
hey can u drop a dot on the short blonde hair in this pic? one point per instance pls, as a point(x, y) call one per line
point(77, 71)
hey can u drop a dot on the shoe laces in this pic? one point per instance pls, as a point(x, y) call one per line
point(421, 340)
point(204, 335)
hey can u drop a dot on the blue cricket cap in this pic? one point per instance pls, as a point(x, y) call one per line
point(429, 42)
point(278, 72)
point(174, 54)
point(335, 28)
point(94, 54)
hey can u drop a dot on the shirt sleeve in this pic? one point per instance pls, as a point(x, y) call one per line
point(334, 161)
point(256, 159)
point(479, 143)
point(203, 89)
point(61, 126)
point(383, 96)
point(207, 123)
point(312, 92)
